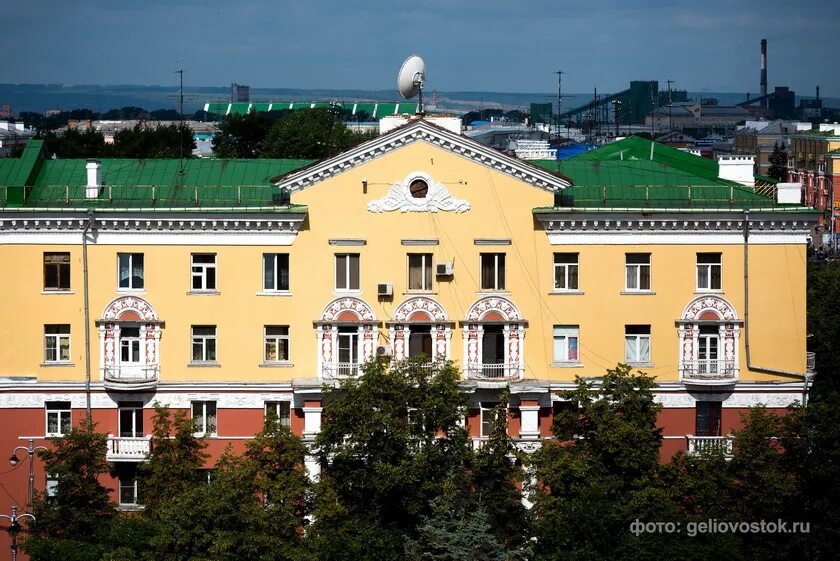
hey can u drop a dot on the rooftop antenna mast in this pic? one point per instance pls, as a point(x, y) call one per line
point(670, 114)
point(559, 98)
point(180, 71)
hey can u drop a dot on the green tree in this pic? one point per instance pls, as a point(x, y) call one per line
point(778, 162)
point(309, 133)
point(175, 459)
point(389, 444)
point(167, 141)
point(241, 136)
point(600, 473)
point(70, 521)
point(76, 143)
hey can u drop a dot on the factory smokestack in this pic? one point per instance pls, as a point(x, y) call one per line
point(818, 93)
point(764, 72)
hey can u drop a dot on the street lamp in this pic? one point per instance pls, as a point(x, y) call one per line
point(15, 528)
point(30, 451)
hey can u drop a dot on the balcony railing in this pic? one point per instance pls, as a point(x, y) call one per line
point(710, 371)
point(340, 370)
point(700, 444)
point(131, 377)
point(127, 448)
point(493, 371)
point(810, 362)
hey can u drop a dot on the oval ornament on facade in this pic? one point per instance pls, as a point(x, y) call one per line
point(418, 193)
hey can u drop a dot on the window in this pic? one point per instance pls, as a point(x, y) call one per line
point(419, 271)
point(708, 271)
point(565, 271)
point(707, 418)
point(56, 343)
point(638, 271)
point(707, 349)
point(280, 411)
point(58, 418)
point(130, 270)
point(131, 419)
point(129, 488)
point(51, 488)
point(56, 271)
point(492, 271)
point(637, 344)
point(204, 343)
point(204, 271)
point(130, 345)
point(276, 343)
point(488, 416)
point(566, 339)
point(348, 351)
point(420, 341)
point(275, 272)
point(204, 417)
point(347, 271)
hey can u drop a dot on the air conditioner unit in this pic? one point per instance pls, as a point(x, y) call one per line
point(444, 269)
point(383, 350)
point(384, 289)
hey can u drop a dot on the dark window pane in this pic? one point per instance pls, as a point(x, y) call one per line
point(282, 271)
point(354, 272)
point(500, 284)
point(268, 271)
point(211, 278)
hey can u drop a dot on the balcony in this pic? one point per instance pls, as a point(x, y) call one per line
point(493, 372)
point(709, 372)
point(701, 444)
point(341, 370)
point(810, 362)
point(131, 378)
point(127, 448)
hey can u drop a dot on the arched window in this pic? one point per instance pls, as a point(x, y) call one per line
point(346, 335)
point(709, 332)
point(420, 327)
point(494, 334)
point(129, 344)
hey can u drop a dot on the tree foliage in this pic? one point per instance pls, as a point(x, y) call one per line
point(309, 133)
point(778, 162)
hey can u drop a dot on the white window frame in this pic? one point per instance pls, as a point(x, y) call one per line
point(133, 487)
point(497, 286)
point(136, 409)
point(564, 334)
point(566, 269)
point(134, 344)
point(275, 340)
point(284, 420)
point(131, 257)
point(638, 337)
point(60, 413)
point(708, 267)
point(637, 274)
point(203, 341)
point(426, 283)
point(347, 257)
point(201, 420)
point(202, 273)
point(486, 408)
point(272, 258)
point(57, 339)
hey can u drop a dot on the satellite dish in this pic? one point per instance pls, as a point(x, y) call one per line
point(410, 79)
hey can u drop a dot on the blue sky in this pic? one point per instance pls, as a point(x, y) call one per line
point(489, 45)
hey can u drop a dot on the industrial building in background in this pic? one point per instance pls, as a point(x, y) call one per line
point(239, 93)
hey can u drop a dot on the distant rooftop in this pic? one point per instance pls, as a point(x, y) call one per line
point(374, 110)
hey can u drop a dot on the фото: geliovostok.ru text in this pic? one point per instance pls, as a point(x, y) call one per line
point(714, 526)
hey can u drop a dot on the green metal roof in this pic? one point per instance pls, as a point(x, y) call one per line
point(634, 148)
point(135, 183)
point(626, 172)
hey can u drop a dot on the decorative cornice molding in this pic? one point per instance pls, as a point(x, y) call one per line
point(565, 223)
point(423, 131)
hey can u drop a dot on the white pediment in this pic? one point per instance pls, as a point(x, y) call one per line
point(437, 197)
point(421, 130)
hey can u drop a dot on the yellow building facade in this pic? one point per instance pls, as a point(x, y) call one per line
point(420, 241)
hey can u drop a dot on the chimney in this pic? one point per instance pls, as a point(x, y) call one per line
point(94, 179)
point(764, 72)
point(818, 93)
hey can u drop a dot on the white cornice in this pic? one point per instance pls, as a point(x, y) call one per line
point(423, 131)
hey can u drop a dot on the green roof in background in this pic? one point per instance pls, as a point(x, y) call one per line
point(627, 172)
point(374, 109)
